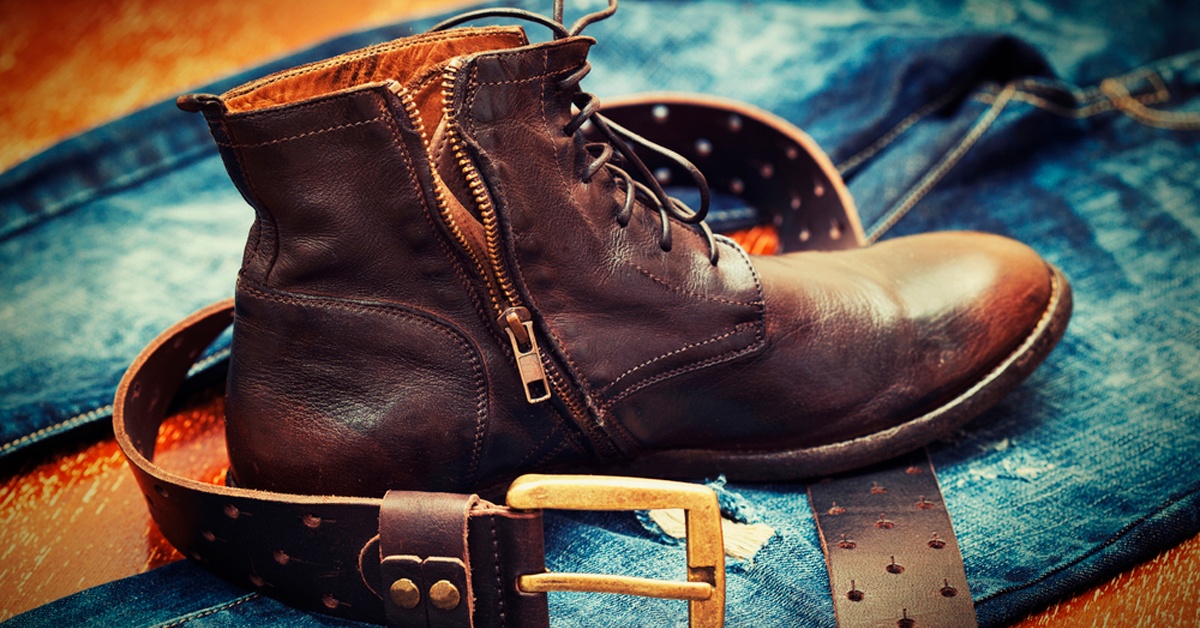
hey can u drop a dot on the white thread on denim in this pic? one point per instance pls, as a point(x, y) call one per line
point(944, 166)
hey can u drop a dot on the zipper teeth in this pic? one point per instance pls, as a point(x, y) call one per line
point(492, 232)
point(491, 227)
point(439, 195)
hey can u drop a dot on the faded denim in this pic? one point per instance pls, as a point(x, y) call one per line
point(942, 115)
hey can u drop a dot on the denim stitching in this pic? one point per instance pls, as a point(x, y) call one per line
point(1097, 101)
point(1130, 106)
point(78, 419)
point(166, 165)
point(949, 160)
point(900, 128)
point(209, 611)
point(1128, 528)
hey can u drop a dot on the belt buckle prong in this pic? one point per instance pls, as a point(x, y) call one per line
point(705, 585)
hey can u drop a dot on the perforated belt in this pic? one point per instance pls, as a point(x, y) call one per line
point(439, 559)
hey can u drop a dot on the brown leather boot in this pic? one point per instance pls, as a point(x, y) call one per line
point(446, 286)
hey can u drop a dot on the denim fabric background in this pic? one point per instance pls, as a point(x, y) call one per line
point(942, 115)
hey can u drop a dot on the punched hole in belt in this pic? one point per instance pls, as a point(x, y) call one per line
point(704, 147)
point(854, 594)
point(660, 113)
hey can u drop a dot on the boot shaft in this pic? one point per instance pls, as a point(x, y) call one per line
point(364, 316)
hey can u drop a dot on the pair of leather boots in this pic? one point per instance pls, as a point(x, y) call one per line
point(447, 285)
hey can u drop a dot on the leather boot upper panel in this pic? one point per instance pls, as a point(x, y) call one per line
point(588, 277)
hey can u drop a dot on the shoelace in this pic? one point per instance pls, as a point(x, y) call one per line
point(646, 185)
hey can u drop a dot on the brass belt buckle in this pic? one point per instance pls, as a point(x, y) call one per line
point(705, 586)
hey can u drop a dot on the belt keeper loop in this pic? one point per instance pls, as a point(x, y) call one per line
point(424, 565)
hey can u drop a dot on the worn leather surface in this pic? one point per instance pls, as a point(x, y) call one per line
point(366, 352)
point(332, 554)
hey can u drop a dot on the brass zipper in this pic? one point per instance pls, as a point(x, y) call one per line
point(515, 319)
point(414, 115)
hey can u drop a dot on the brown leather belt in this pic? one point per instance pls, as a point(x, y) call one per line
point(438, 559)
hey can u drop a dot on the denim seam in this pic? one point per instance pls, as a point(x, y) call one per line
point(901, 127)
point(78, 419)
point(179, 621)
point(1130, 106)
point(948, 161)
point(96, 413)
point(1097, 99)
point(119, 182)
point(1126, 529)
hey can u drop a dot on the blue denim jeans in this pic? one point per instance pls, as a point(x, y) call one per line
point(1060, 125)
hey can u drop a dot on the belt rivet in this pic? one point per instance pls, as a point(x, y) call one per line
point(854, 595)
point(444, 595)
point(405, 593)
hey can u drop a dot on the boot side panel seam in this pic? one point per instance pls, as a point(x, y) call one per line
point(410, 164)
point(690, 293)
point(759, 342)
point(260, 208)
point(420, 317)
point(281, 140)
point(685, 348)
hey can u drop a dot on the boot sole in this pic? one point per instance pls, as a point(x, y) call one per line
point(807, 462)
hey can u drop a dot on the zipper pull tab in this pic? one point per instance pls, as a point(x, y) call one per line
point(519, 325)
